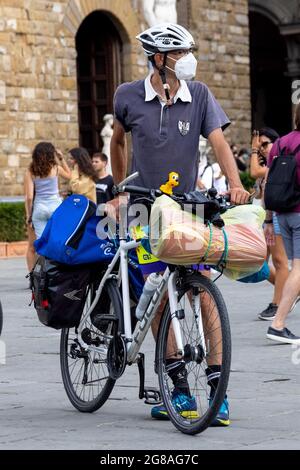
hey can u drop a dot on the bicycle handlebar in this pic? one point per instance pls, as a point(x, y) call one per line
point(214, 206)
point(139, 191)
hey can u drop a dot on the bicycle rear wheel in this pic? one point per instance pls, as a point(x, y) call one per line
point(85, 373)
point(205, 332)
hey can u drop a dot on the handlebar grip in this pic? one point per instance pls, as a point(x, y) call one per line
point(141, 191)
point(226, 197)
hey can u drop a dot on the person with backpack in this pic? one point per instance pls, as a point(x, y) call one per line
point(262, 142)
point(282, 194)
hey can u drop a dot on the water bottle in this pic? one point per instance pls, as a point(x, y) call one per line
point(151, 284)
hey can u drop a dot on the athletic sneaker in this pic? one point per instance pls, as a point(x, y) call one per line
point(222, 418)
point(183, 404)
point(282, 336)
point(269, 313)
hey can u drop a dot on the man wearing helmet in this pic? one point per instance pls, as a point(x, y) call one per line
point(166, 113)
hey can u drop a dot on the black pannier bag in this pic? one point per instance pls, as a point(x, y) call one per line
point(282, 191)
point(59, 292)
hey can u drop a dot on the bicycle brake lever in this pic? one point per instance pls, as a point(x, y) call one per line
point(120, 186)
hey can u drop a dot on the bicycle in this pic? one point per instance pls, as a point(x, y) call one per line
point(195, 320)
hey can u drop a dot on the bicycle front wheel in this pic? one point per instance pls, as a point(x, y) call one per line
point(205, 333)
point(85, 373)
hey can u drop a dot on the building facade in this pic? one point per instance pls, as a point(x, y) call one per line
point(60, 62)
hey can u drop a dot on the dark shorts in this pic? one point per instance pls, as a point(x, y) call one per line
point(290, 230)
point(276, 224)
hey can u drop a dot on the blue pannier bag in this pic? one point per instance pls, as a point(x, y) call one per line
point(262, 275)
point(70, 236)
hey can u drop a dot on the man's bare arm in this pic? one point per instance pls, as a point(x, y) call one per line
point(118, 152)
point(256, 171)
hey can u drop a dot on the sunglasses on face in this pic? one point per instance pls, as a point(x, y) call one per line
point(265, 144)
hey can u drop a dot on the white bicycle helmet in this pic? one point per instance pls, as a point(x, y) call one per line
point(165, 37)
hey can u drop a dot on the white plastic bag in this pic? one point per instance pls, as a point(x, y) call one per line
point(178, 237)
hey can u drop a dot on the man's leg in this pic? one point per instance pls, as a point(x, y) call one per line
point(290, 230)
point(30, 253)
point(213, 338)
point(289, 294)
point(177, 372)
point(280, 262)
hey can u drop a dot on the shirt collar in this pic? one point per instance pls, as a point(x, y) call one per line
point(183, 91)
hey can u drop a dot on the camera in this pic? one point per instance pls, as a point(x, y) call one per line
point(262, 160)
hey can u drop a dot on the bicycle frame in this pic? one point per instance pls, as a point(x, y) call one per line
point(135, 339)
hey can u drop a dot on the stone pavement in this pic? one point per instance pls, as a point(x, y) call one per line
point(264, 388)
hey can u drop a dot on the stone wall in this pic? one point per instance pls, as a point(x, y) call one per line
point(37, 69)
point(38, 93)
point(221, 32)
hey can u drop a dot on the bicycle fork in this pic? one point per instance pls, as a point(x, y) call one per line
point(176, 313)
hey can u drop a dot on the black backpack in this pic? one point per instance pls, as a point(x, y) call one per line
point(59, 292)
point(282, 191)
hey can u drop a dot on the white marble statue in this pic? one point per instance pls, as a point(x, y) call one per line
point(106, 134)
point(159, 11)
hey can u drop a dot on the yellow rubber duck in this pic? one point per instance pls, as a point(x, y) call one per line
point(173, 181)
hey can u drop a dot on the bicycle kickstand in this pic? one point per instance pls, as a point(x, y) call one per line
point(152, 395)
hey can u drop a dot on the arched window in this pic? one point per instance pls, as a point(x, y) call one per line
point(99, 72)
point(270, 85)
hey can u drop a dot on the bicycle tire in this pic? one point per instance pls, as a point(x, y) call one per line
point(79, 400)
point(199, 424)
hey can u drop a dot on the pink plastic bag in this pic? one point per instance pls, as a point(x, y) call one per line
point(178, 237)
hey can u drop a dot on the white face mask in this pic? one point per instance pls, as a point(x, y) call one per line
point(185, 67)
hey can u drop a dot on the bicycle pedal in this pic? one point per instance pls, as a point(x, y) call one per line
point(152, 396)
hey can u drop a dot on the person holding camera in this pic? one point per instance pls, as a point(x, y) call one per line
point(262, 142)
point(285, 154)
point(41, 191)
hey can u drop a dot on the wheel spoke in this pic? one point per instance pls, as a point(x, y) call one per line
point(85, 371)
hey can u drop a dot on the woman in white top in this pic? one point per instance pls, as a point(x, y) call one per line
point(205, 174)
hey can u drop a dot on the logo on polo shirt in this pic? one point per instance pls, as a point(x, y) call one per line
point(184, 127)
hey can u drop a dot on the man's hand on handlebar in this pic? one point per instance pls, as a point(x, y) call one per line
point(238, 196)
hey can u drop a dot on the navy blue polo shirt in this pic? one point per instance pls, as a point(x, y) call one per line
point(166, 138)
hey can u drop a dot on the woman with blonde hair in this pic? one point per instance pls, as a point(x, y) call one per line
point(41, 191)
